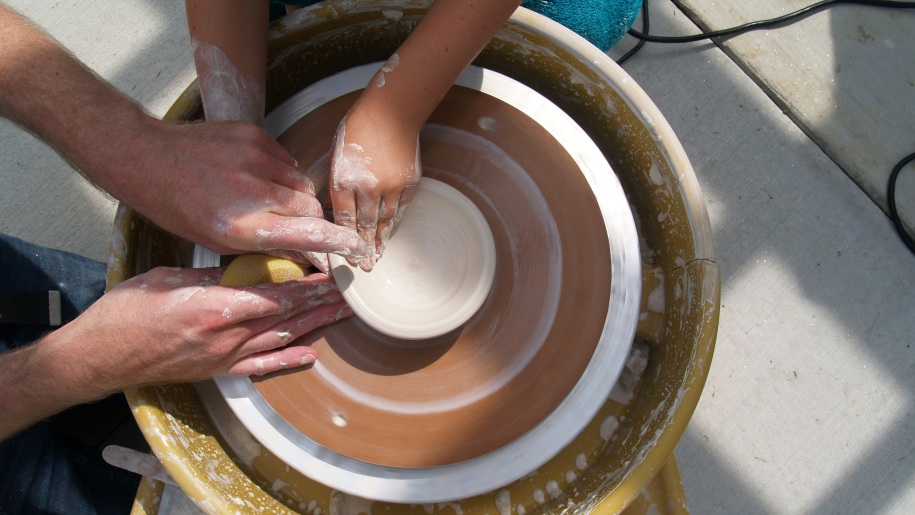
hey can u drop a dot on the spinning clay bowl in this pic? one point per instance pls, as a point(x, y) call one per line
point(622, 445)
point(437, 271)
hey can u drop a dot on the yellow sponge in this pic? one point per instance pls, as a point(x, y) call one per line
point(249, 269)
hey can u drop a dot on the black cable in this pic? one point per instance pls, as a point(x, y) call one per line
point(810, 9)
point(907, 238)
point(641, 42)
point(643, 36)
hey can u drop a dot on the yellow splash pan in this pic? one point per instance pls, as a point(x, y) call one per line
point(680, 301)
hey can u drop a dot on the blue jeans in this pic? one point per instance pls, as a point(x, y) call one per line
point(42, 470)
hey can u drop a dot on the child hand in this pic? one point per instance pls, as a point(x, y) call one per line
point(375, 169)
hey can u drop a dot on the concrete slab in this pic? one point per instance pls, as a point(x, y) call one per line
point(140, 47)
point(845, 75)
point(808, 408)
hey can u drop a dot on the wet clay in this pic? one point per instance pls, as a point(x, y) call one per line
point(460, 396)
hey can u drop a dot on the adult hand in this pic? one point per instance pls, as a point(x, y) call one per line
point(375, 170)
point(225, 185)
point(233, 189)
point(165, 326)
point(177, 325)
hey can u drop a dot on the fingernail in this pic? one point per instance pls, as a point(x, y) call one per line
point(307, 359)
point(344, 312)
point(368, 262)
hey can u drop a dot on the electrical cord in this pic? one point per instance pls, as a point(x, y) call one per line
point(907, 238)
point(638, 46)
point(644, 37)
point(762, 24)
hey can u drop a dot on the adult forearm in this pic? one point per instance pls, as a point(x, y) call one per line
point(165, 326)
point(48, 92)
point(38, 382)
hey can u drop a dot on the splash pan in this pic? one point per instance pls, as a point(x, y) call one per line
point(607, 464)
point(484, 405)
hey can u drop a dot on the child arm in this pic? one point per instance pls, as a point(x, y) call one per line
point(229, 38)
point(375, 165)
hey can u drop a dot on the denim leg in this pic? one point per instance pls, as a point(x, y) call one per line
point(41, 470)
point(29, 268)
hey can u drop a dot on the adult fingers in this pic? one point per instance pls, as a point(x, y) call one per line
point(268, 333)
point(263, 154)
point(282, 332)
point(319, 260)
point(292, 202)
point(281, 300)
point(266, 142)
point(172, 277)
point(316, 259)
point(268, 352)
point(308, 235)
point(273, 361)
point(241, 226)
point(296, 180)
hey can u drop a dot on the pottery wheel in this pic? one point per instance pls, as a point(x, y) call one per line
point(462, 414)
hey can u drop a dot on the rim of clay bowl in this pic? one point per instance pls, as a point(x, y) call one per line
point(364, 291)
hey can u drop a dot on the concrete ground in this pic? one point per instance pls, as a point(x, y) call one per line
point(809, 404)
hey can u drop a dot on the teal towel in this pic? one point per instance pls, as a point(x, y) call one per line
point(602, 22)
